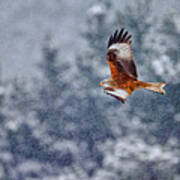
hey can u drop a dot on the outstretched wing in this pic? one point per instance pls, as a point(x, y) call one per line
point(119, 55)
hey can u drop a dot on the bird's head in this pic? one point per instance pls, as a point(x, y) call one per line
point(112, 54)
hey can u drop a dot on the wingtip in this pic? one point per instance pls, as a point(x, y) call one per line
point(119, 36)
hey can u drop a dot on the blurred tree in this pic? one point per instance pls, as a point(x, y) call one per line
point(5, 155)
point(51, 98)
point(35, 120)
point(138, 19)
point(94, 123)
point(170, 34)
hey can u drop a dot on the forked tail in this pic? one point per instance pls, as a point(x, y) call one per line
point(153, 86)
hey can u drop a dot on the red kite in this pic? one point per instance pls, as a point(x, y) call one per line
point(124, 76)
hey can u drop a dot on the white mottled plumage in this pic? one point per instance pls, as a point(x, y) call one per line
point(123, 48)
point(119, 92)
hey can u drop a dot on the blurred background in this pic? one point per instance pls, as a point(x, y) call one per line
point(56, 123)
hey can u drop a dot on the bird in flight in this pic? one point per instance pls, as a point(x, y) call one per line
point(124, 76)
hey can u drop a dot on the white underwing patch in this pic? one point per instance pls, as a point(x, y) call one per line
point(123, 48)
point(119, 92)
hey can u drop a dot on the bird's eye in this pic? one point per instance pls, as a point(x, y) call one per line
point(111, 56)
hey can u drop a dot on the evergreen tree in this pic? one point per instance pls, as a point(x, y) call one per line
point(52, 92)
point(88, 64)
point(170, 35)
point(92, 116)
point(138, 19)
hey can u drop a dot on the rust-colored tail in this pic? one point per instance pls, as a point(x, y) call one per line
point(153, 86)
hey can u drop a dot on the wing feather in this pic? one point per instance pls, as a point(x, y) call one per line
point(119, 55)
point(129, 37)
point(120, 34)
point(119, 94)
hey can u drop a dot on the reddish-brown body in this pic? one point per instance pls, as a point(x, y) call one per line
point(127, 83)
point(124, 78)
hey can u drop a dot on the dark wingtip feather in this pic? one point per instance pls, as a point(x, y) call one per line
point(119, 37)
point(110, 40)
point(128, 38)
point(124, 36)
